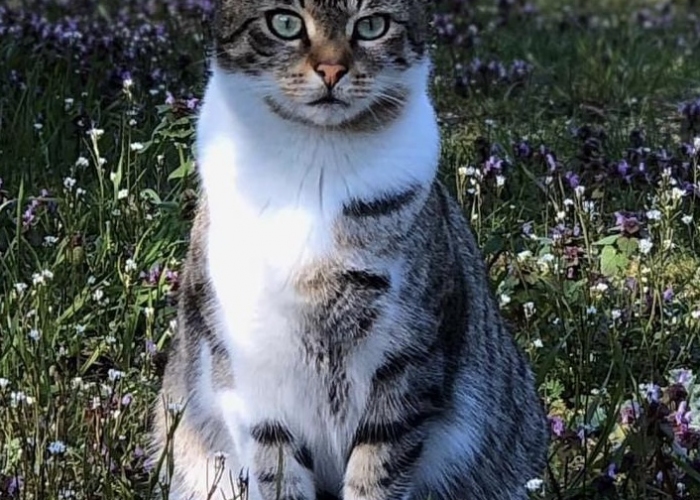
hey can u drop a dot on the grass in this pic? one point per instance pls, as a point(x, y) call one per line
point(570, 135)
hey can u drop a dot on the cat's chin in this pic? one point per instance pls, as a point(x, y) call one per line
point(324, 113)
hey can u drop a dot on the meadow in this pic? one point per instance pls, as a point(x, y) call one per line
point(571, 136)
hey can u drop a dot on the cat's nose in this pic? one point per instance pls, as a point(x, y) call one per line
point(331, 73)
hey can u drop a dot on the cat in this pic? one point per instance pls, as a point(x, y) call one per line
point(337, 335)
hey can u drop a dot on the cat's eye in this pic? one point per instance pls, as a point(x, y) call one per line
point(371, 27)
point(285, 24)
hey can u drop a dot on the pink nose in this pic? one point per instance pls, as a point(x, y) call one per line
point(331, 73)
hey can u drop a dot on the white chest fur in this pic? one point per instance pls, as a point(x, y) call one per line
point(274, 190)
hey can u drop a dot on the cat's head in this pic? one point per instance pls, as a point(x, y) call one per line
point(331, 63)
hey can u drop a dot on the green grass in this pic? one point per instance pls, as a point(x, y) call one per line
point(87, 284)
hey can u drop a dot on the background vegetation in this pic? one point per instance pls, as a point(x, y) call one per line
point(571, 136)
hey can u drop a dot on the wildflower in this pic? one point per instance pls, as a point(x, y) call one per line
point(652, 392)
point(20, 287)
point(130, 265)
point(529, 309)
point(114, 375)
point(79, 329)
point(136, 146)
point(695, 314)
point(148, 312)
point(50, 241)
point(69, 183)
point(653, 214)
point(34, 334)
point(557, 425)
point(38, 127)
point(95, 133)
point(127, 399)
point(534, 485)
point(580, 190)
point(537, 344)
point(645, 246)
point(15, 485)
point(4, 383)
point(616, 314)
point(122, 194)
point(97, 295)
point(57, 447)
point(687, 219)
point(591, 310)
point(668, 294)
point(629, 412)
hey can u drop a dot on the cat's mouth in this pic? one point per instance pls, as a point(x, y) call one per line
point(329, 100)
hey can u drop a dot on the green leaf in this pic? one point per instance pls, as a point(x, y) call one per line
point(627, 246)
point(608, 240)
point(612, 262)
point(186, 168)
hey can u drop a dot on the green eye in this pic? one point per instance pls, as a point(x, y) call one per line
point(372, 27)
point(285, 24)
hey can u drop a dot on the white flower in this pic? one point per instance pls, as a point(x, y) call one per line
point(561, 215)
point(98, 294)
point(534, 485)
point(695, 314)
point(601, 287)
point(687, 219)
point(77, 383)
point(130, 265)
point(500, 180)
point(95, 133)
point(148, 312)
point(524, 255)
point(136, 146)
point(537, 344)
point(529, 309)
point(91, 280)
point(123, 193)
point(110, 339)
point(503, 299)
point(20, 287)
point(132, 122)
point(82, 162)
point(4, 383)
point(57, 447)
point(68, 102)
point(654, 214)
point(34, 334)
point(591, 310)
point(114, 374)
point(38, 126)
point(568, 202)
point(645, 246)
point(677, 194)
point(47, 274)
point(50, 241)
point(79, 329)
point(616, 314)
point(69, 183)
point(80, 192)
point(580, 190)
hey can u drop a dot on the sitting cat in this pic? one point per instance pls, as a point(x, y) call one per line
point(337, 335)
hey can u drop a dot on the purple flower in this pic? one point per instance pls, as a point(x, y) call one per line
point(573, 180)
point(151, 347)
point(627, 223)
point(557, 425)
point(668, 294)
point(15, 485)
point(127, 399)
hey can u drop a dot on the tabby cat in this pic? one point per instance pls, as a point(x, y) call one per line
point(337, 336)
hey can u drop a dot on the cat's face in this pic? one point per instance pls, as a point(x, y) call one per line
point(338, 63)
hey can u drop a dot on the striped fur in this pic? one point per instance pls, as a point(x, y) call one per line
point(337, 336)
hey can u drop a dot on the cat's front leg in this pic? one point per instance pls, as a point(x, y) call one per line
point(282, 466)
point(384, 453)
